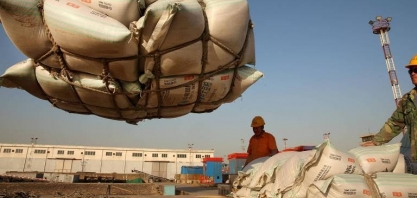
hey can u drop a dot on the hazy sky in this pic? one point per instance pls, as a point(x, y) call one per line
point(324, 72)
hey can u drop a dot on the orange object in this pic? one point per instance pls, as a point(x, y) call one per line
point(212, 159)
point(237, 156)
point(297, 148)
point(206, 180)
point(73, 5)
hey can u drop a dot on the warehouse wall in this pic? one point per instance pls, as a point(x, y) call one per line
point(72, 159)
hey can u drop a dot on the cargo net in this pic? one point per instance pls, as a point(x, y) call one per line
point(161, 59)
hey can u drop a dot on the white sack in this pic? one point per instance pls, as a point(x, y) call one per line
point(245, 175)
point(377, 158)
point(87, 32)
point(215, 88)
point(22, 75)
point(228, 22)
point(265, 191)
point(125, 11)
point(169, 112)
point(166, 25)
point(243, 192)
point(125, 70)
point(23, 24)
point(400, 167)
point(173, 97)
point(86, 94)
point(246, 193)
point(394, 185)
point(267, 170)
point(81, 30)
point(287, 174)
point(342, 185)
point(85, 89)
point(246, 76)
point(327, 162)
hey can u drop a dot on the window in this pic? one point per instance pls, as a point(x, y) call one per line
point(70, 152)
point(206, 156)
point(109, 153)
point(198, 156)
point(60, 152)
point(118, 153)
point(182, 155)
point(154, 154)
point(165, 155)
point(6, 150)
point(90, 153)
point(19, 150)
point(136, 154)
point(37, 151)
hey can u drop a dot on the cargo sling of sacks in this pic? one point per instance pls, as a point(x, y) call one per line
point(176, 58)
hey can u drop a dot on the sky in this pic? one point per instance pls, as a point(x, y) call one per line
point(324, 72)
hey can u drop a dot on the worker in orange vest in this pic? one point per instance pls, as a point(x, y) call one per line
point(262, 143)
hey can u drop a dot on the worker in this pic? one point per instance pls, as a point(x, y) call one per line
point(262, 143)
point(404, 116)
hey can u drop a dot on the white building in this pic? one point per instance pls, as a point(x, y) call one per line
point(71, 159)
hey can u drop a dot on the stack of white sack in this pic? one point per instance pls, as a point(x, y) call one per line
point(131, 60)
point(328, 172)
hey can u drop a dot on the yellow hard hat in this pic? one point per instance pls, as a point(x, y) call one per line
point(413, 62)
point(257, 121)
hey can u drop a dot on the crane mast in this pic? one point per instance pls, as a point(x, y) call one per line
point(381, 26)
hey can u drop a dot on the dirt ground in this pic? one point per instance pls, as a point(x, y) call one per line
point(77, 189)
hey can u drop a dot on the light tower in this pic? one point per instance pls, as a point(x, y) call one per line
point(381, 26)
point(326, 136)
point(243, 145)
point(190, 147)
point(28, 164)
point(285, 142)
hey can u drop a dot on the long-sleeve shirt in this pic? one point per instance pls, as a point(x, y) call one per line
point(404, 115)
